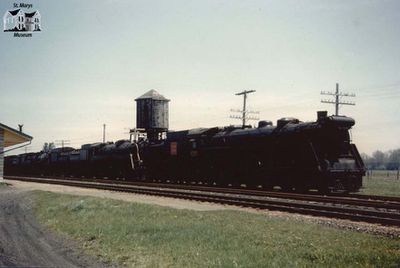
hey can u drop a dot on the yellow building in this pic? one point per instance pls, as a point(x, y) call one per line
point(10, 137)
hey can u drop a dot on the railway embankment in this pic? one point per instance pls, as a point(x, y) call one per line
point(143, 235)
point(143, 230)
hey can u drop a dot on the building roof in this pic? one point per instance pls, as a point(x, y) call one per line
point(13, 136)
point(30, 15)
point(14, 12)
point(152, 94)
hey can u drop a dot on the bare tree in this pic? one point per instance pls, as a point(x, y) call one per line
point(393, 160)
point(47, 147)
point(382, 160)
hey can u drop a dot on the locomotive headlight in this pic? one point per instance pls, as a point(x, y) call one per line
point(344, 163)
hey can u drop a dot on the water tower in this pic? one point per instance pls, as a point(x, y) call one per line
point(152, 114)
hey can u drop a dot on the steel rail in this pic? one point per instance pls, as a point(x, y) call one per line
point(349, 199)
point(315, 209)
point(373, 197)
point(356, 200)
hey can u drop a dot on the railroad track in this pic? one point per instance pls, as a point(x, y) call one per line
point(384, 211)
point(349, 199)
point(385, 201)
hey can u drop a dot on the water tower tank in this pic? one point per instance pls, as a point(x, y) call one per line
point(152, 111)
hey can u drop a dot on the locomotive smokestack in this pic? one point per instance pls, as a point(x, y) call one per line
point(321, 115)
point(264, 123)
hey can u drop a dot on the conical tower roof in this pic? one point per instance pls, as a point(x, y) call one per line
point(152, 94)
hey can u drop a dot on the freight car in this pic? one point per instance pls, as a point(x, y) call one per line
point(292, 155)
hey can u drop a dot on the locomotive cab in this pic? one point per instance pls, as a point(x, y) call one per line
point(340, 162)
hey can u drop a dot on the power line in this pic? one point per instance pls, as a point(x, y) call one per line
point(244, 111)
point(62, 143)
point(382, 91)
point(338, 95)
point(382, 86)
point(382, 94)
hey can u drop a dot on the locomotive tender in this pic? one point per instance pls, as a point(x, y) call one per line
point(293, 155)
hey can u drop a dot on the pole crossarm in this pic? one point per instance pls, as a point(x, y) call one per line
point(245, 92)
point(337, 101)
point(62, 142)
point(340, 102)
point(244, 117)
point(339, 94)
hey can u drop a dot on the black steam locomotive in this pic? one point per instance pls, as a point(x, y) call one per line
point(292, 155)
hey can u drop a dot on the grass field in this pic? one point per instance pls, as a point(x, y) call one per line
point(381, 182)
point(140, 235)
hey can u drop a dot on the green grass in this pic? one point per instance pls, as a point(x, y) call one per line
point(383, 174)
point(3, 184)
point(381, 182)
point(140, 235)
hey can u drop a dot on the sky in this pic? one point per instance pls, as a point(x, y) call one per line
point(93, 58)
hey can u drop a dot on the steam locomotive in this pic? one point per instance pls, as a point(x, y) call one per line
point(293, 155)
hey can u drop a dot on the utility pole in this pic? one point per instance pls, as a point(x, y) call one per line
point(27, 148)
point(244, 111)
point(62, 142)
point(104, 133)
point(338, 95)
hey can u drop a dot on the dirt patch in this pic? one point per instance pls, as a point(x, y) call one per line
point(130, 197)
point(25, 243)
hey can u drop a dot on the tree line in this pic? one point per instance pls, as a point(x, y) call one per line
point(382, 160)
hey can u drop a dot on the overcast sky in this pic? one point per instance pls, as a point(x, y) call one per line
point(93, 58)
